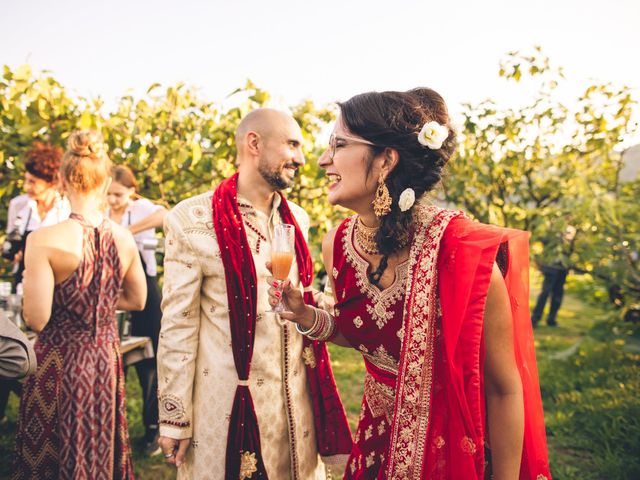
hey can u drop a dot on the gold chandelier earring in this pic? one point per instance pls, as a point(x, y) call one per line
point(382, 202)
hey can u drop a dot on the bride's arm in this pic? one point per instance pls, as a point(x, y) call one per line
point(503, 386)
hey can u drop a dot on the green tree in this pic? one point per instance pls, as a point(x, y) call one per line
point(177, 144)
point(31, 108)
point(548, 165)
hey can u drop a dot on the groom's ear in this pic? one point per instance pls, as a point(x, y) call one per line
point(253, 142)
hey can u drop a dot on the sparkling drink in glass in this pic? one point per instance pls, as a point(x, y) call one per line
point(282, 252)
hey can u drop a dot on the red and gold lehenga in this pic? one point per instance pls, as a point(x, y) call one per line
point(423, 412)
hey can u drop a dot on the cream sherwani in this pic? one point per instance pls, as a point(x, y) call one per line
point(196, 375)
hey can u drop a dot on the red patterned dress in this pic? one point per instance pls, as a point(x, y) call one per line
point(72, 422)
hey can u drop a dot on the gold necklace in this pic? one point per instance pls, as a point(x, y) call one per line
point(366, 238)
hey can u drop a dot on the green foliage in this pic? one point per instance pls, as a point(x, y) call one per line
point(540, 167)
point(177, 144)
point(592, 411)
point(31, 108)
point(548, 165)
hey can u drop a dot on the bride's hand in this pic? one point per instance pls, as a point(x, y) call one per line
point(297, 310)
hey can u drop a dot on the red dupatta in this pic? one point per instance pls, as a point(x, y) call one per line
point(441, 365)
point(243, 440)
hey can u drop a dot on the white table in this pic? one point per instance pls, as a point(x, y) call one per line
point(135, 349)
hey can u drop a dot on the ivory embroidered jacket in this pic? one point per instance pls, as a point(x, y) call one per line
point(196, 374)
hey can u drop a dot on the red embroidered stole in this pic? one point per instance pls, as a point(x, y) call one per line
point(444, 374)
point(243, 441)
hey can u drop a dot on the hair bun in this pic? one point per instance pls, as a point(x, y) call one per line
point(86, 143)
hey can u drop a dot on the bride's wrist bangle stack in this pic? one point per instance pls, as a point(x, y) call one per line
point(323, 328)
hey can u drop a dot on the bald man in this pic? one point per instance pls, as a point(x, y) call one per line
point(198, 377)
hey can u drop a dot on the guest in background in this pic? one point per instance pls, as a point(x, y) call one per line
point(40, 205)
point(142, 217)
point(17, 358)
point(554, 267)
point(72, 421)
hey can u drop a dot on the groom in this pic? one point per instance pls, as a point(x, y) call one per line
point(242, 395)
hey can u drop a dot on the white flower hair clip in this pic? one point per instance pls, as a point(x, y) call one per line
point(433, 135)
point(407, 199)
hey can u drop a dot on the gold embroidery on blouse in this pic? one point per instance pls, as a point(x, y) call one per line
point(368, 433)
point(309, 357)
point(382, 301)
point(382, 359)
point(248, 465)
point(379, 398)
point(357, 321)
point(370, 460)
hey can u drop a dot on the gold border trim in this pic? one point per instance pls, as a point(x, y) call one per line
point(415, 379)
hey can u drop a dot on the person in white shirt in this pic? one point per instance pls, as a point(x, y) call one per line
point(142, 217)
point(41, 205)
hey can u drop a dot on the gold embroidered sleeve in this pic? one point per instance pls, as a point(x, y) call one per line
point(178, 344)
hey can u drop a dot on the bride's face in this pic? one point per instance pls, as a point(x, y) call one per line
point(349, 167)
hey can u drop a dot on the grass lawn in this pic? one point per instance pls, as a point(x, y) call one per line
point(586, 408)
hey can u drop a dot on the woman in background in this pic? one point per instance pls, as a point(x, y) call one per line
point(72, 421)
point(41, 205)
point(142, 217)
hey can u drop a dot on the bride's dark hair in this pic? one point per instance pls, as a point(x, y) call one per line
point(394, 119)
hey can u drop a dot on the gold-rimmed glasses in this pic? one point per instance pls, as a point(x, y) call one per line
point(334, 139)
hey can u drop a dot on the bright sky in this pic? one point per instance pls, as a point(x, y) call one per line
point(325, 50)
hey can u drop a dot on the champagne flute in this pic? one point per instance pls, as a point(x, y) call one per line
point(282, 250)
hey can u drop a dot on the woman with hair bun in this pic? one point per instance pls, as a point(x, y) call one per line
point(72, 421)
point(436, 303)
point(142, 217)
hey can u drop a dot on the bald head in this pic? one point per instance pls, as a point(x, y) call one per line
point(266, 122)
point(269, 144)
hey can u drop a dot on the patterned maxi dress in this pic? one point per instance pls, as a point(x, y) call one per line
point(72, 421)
